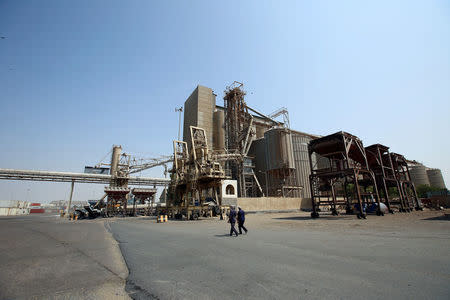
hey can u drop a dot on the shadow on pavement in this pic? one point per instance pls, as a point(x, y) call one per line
point(222, 235)
point(322, 217)
point(445, 217)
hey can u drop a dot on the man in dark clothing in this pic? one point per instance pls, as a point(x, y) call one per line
point(241, 220)
point(232, 220)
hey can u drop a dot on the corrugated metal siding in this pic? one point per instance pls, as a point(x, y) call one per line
point(278, 149)
point(302, 167)
point(258, 152)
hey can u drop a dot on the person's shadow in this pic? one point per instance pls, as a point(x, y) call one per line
point(222, 235)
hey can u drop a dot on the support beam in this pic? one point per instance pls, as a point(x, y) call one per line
point(70, 198)
point(33, 175)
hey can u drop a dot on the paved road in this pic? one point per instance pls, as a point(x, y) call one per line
point(45, 257)
point(198, 260)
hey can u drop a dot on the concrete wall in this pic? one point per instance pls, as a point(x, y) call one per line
point(13, 211)
point(206, 106)
point(273, 204)
point(190, 116)
point(198, 111)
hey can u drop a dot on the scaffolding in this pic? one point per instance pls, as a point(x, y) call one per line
point(239, 134)
point(196, 177)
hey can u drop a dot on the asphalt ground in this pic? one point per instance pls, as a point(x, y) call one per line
point(289, 256)
point(46, 257)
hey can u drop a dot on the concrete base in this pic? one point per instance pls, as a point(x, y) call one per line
point(273, 204)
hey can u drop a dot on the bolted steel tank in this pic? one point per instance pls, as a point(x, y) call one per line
point(435, 178)
point(279, 152)
point(419, 175)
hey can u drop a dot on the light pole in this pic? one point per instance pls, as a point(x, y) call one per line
point(179, 120)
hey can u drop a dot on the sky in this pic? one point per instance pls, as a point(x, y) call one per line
point(77, 77)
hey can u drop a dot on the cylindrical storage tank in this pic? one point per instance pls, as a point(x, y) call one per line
point(419, 175)
point(435, 178)
point(279, 152)
point(301, 158)
point(115, 159)
point(219, 130)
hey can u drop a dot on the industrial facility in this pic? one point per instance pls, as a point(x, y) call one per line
point(273, 158)
point(232, 154)
point(269, 160)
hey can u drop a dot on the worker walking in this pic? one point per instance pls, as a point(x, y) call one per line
point(241, 220)
point(232, 220)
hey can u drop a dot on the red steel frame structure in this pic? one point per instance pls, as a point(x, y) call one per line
point(380, 163)
point(346, 163)
point(407, 188)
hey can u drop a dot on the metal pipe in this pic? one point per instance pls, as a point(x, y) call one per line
point(12, 174)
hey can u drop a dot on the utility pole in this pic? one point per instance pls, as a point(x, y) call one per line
point(179, 120)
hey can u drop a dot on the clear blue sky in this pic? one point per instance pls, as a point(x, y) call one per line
point(77, 77)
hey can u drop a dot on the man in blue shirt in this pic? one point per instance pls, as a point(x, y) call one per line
point(241, 220)
point(232, 220)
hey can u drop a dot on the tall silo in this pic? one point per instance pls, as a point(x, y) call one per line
point(280, 163)
point(279, 154)
point(300, 145)
point(115, 159)
point(435, 178)
point(419, 175)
